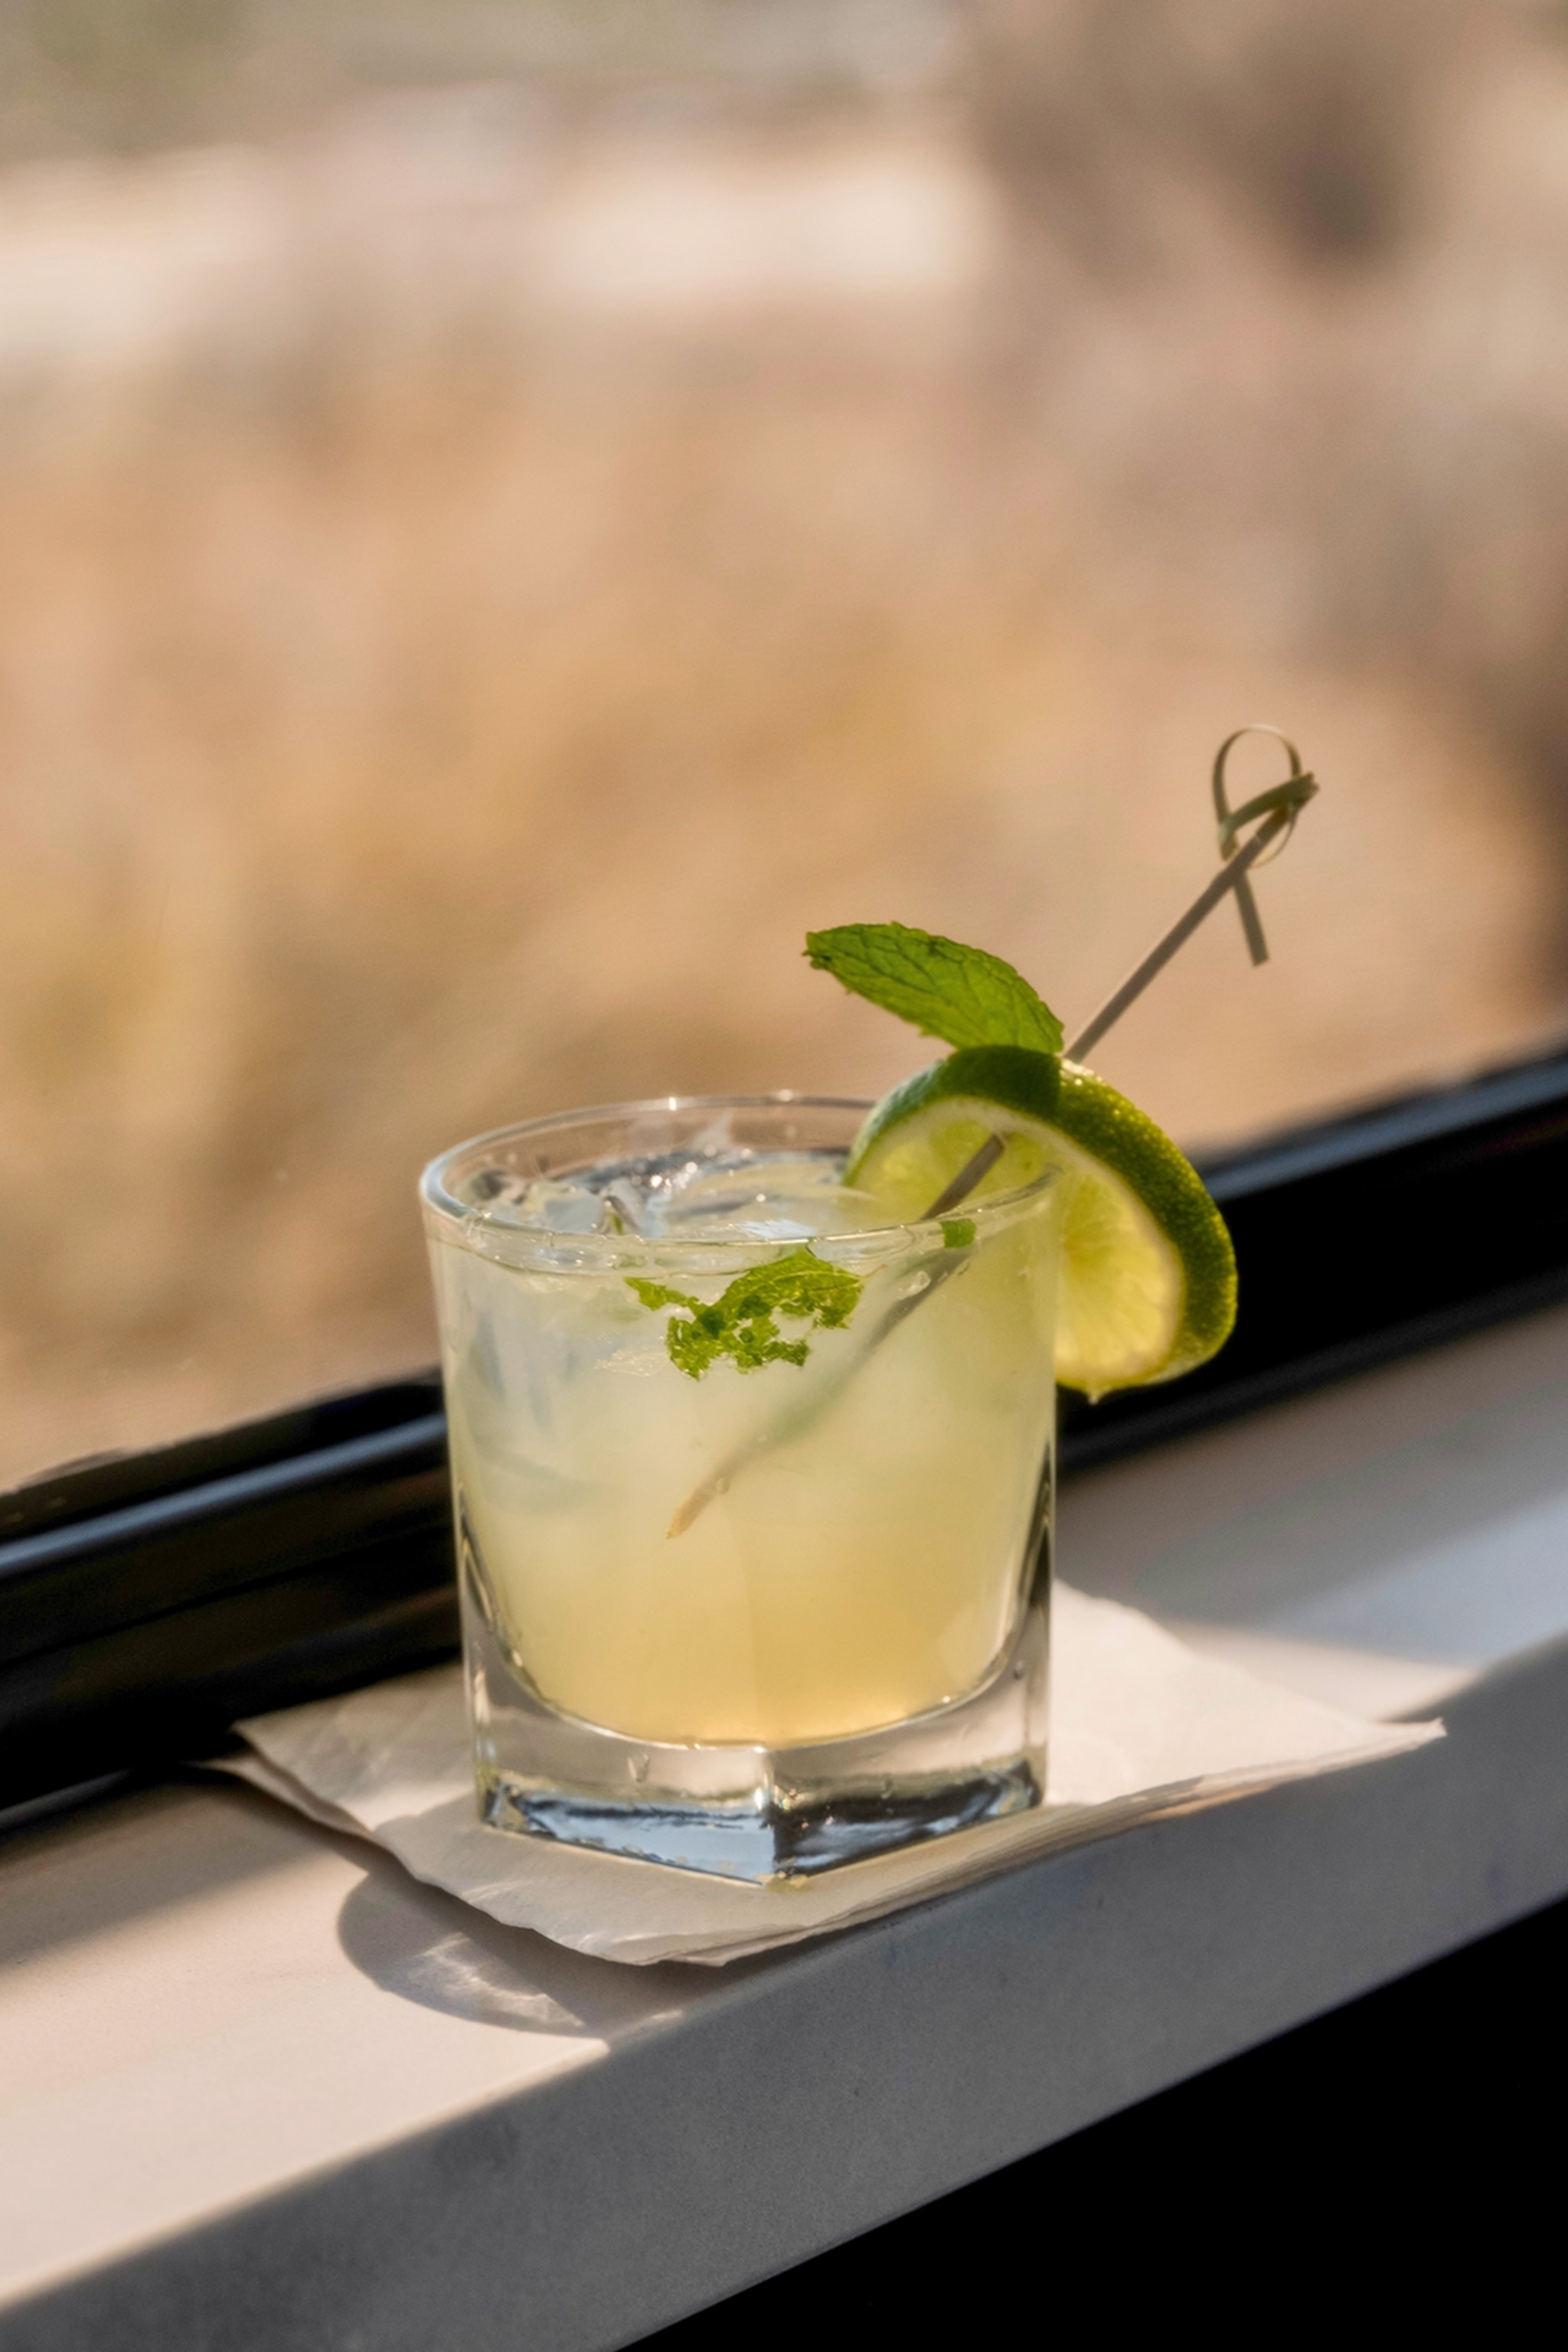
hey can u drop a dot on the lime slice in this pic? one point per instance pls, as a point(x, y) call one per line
point(1148, 1286)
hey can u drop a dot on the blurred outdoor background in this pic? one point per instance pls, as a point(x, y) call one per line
point(512, 509)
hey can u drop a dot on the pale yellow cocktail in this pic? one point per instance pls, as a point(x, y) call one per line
point(770, 1553)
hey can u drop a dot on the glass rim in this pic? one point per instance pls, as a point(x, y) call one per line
point(474, 1227)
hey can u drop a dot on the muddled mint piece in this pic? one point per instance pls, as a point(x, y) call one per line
point(959, 994)
point(740, 1324)
point(957, 1233)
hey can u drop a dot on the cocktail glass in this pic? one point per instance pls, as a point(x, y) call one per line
point(757, 1604)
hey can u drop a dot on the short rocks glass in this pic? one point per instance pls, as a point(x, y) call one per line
point(752, 1486)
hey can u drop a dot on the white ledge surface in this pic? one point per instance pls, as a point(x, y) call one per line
point(259, 2089)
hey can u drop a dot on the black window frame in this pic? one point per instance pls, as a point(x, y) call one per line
point(148, 1601)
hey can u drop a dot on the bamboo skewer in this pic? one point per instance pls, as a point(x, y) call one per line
point(1279, 809)
point(1230, 878)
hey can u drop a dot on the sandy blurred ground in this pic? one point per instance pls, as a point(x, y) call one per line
point(480, 581)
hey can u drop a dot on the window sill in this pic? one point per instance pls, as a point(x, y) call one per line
point(260, 2085)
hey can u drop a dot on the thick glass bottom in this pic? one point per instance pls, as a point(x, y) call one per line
point(767, 1815)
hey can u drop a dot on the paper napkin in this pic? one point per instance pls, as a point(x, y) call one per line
point(1140, 1726)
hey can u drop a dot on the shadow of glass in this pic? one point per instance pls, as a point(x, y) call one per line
point(429, 1947)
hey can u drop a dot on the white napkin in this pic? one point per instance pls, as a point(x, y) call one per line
point(1140, 1726)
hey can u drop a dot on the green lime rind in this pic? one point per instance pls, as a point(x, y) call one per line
point(1105, 1137)
point(1106, 1125)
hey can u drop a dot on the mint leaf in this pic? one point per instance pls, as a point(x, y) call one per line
point(959, 994)
point(740, 1323)
point(957, 1233)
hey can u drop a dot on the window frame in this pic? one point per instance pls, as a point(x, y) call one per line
point(148, 1601)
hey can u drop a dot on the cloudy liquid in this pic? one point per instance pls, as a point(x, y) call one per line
point(866, 1568)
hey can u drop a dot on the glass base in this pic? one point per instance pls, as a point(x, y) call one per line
point(767, 1815)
